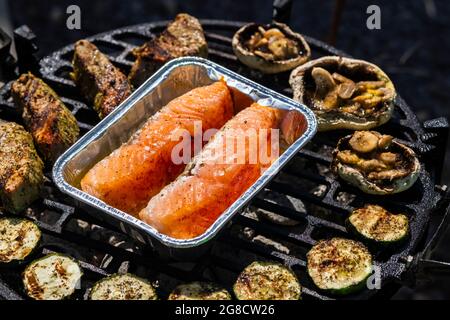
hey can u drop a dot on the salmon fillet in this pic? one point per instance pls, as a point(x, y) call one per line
point(213, 181)
point(139, 169)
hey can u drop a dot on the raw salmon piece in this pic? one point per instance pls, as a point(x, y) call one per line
point(189, 205)
point(139, 169)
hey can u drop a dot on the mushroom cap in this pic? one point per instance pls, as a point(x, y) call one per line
point(357, 179)
point(269, 66)
point(300, 78)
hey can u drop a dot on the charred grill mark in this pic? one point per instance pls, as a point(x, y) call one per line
point(33, 285)
point(60, 269)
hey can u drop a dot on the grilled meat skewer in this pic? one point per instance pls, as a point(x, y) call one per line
point(52, 125)
point(183, 37)
point(101, 83)
point(21, 168)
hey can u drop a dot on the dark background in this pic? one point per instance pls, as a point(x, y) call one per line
point(413, 46)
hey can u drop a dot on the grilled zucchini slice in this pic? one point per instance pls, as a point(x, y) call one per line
point(199, 291)
point(18, 239)
point(267, 281)
point(375, 225)
point(123, 287)
point(339, 266)
point(52, 277)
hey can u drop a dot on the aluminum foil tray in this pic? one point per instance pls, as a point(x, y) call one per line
point(172, 80)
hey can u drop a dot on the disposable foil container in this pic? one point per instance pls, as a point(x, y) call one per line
point(172, 80)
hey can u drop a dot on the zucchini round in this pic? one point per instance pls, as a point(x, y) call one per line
point(339, 266)
point(267, 281)
point(123, 287)
point(376, 225)
point(52, 277)
point(199, 291)
point(18, 239)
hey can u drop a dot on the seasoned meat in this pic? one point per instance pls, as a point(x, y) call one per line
point(52, 125)
point(182, 37)
point(98, 79)
point(20, 168)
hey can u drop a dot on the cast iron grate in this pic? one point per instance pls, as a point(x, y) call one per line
point(304, 191)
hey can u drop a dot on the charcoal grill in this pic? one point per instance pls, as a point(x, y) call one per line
point(327, 201)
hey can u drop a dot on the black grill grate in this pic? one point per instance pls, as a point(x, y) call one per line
point(325, 201)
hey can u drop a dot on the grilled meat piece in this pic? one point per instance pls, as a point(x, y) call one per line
point(21, 168)
point(101, 83)
point(52, 125)
point(213, 180)
point(182, 37)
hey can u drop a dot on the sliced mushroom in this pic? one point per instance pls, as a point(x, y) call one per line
point(384, 141)
point(364, 85)
point(388, 174)
point(262, 54)
point(261, 43)
point(372, 165)
point(348, 157)
point(282, 48)
point(340, 78)
point(371, 102)
point(387, 92)
point(362, 98)
point(346, 90)
point(273, 32)
point(261, 30)
point(388, 157)
point(363, 141)
point(323, 80)
point(351, 108)
point(331, 100)
point(254, 40)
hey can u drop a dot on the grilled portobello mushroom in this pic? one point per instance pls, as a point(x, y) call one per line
point(344, 93)
point(377, 226)
point(123, 287)
point(18, 240)
point(339, 266)
point(271, 48)
point(267, 281)
point(21, 175)
point(183, 37)
point(375, 163)
point(52, 277)
point(101, 83)
point(52, 125)
point(199, 291)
